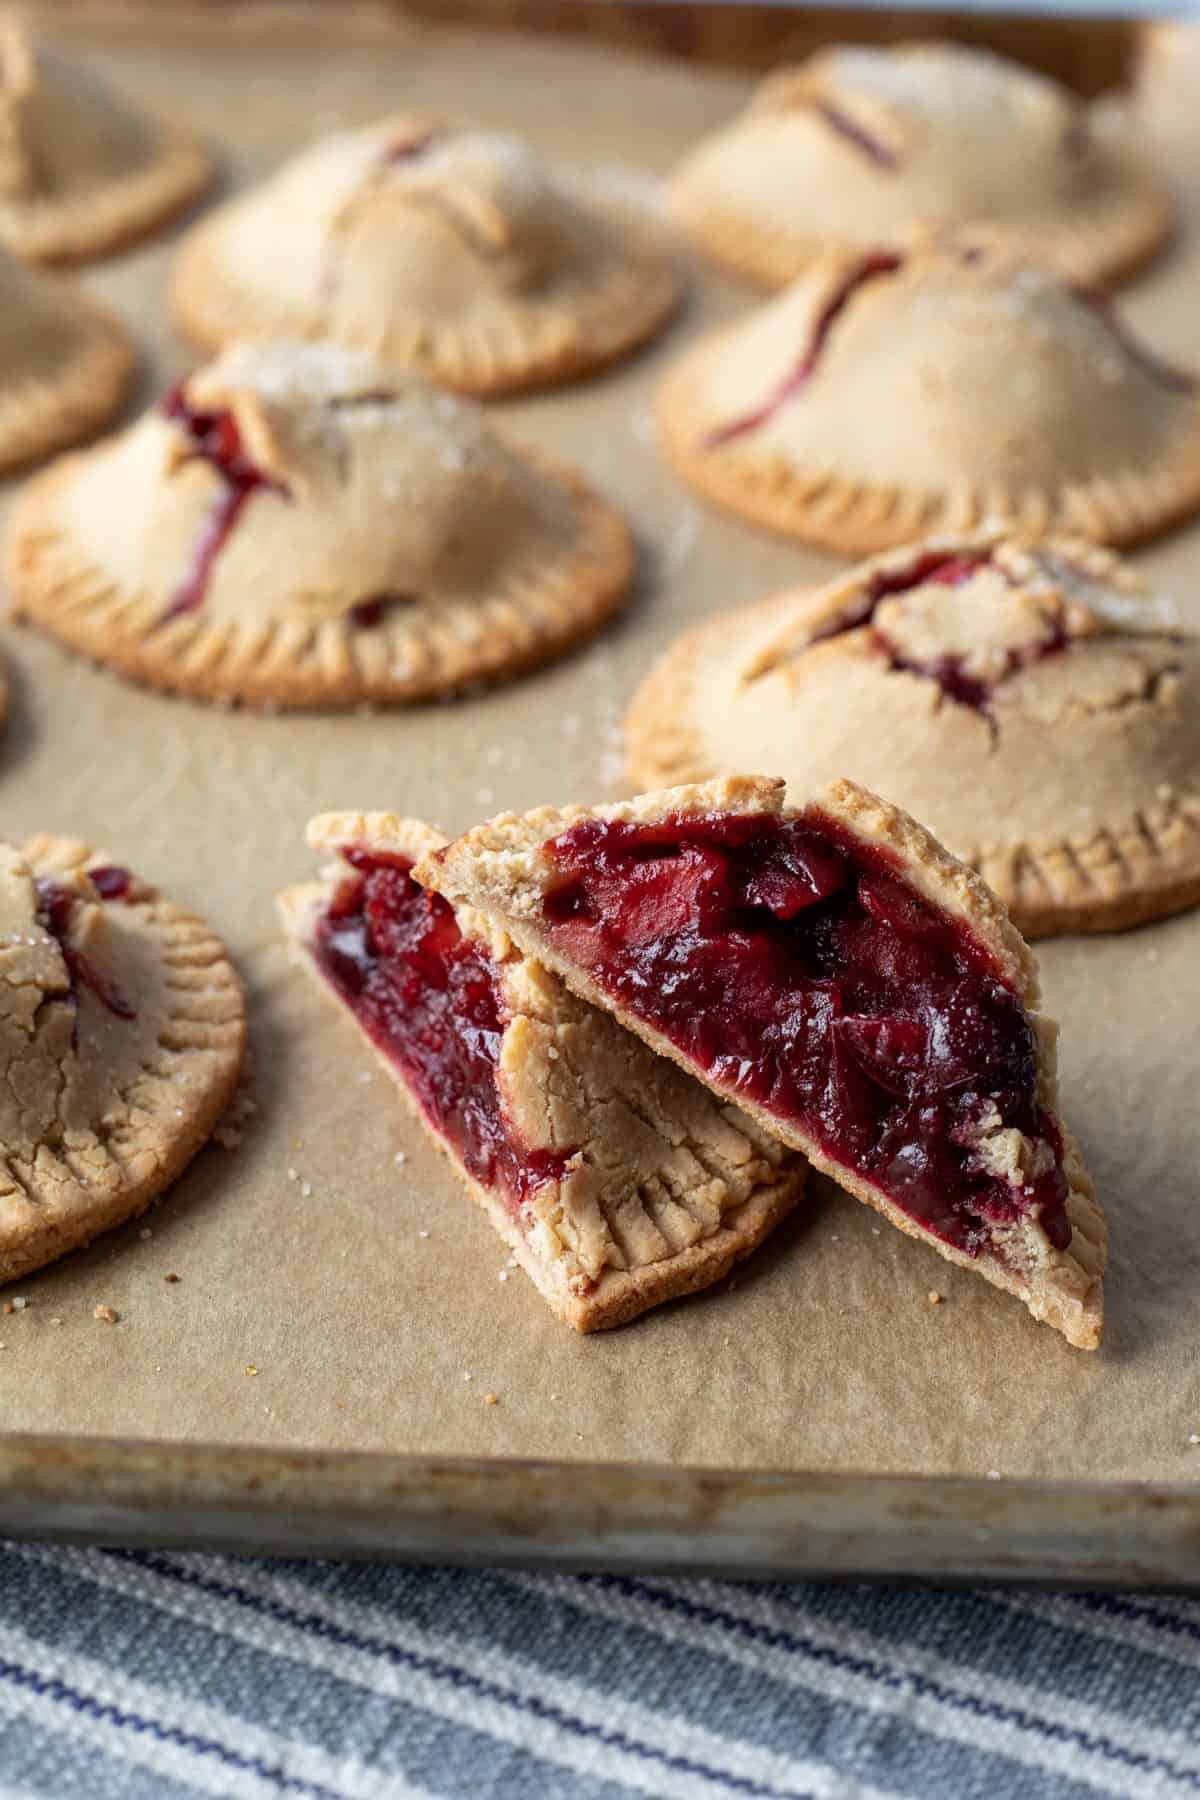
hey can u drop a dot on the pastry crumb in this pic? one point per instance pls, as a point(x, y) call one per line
point(252, 1368)
point(503, 1275)
point(466, 1374)
point(401, 1156)
point(107, 1314)
point(306, 1190)
point(56, 1321)
point(422, 1234)
point(935, 1299)
point(491, 1399)
point(993, 1474)
point(1194, 1437)
point(172, 1277)
point(292, 1175)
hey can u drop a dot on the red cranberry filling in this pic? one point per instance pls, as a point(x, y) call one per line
point(429, 998)
point(55, 905)
point(217, 441)
point(949, 671)
point(878, 263)
point(856, 134)
point(369, 614)
point(793, 966)
point(110, 881)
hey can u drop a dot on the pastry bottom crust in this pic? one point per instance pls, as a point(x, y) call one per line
point(521, 345)
point(1097, 249)
point(297, 663)
point(151, 1132)
point(39, 415)
point(834, 512)
point(619, 1295)
point(103, 218)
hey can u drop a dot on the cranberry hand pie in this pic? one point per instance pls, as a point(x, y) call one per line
point(456, 252)
point(895, 392)
point(856, 145)
point(123, 1023)
point(833, 971)
point(82, 171)
point(65, 363)
point(616, 1180)
point(1031, 701)
point(297, 526)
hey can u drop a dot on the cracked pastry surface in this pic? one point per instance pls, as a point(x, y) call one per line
point(456, 252)
point(897, 392)
point(833, 970)
point(857, 144)
point(121, 1029)
point(65, 363)
point(1031, 701)
point(296, 525)
point(617, 1181)
point(82, 170)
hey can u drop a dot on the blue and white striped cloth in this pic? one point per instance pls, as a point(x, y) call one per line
point(139, 1673)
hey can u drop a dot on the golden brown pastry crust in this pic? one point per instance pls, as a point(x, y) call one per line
point(670, 1188)
point(475, 264)
point(1076, 794)
point(399, 549)
point(82, 172)
point(67, 364)
point(857, 145)
point(499, 868)
point(960, 388)
point(101, 1113)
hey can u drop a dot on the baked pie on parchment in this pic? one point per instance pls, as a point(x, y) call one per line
point(831, 970)
point(65, 363)
point(296, 525)
point(123, 1023)
point(857, 144)
point(616, 1180)
point(82, 170)
point(894, 392)
point(1031, 701)
point(460, 253)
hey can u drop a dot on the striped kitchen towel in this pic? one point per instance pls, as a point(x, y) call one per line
point(146, 1673)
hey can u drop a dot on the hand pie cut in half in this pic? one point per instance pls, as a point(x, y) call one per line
point(897, 392)
point(617, 1181)
point(65, 363)
point(857, 144)
point(835, 973)
point(1031, 701)
point(82, 171)
point(459, 253)
point(297, 526)
point(123, 1022)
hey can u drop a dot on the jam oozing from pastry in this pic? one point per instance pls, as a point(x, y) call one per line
point(429, 998)
point(871, 268)
point(55, 904)
point(950, 672)
point(856, 134)
point(217, 441)
point(794, 966)
point(111, 882)
point(369, 614)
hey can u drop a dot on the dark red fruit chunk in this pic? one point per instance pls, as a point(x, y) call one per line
point(796, 967)
point(217, 441)
point(856, 134)
point(430, 1000)
point(879, 262)
point(55, 905)
point(110, 882)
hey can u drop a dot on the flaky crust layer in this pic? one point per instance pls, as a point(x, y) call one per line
point(618, 1294)
point(138, 1098)
point(1066, 800)
point(498, 868)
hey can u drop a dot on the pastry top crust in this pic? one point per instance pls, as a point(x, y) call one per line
point(499, 862)
point(416, 218)
point(45, 324)
point(1040, 695)
point(657, 1164)
point(859, 142)
point(946, 368)
point(121, 1030)
point(371, 486)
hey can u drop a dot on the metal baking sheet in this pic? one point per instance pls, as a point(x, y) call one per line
point(316, 1377)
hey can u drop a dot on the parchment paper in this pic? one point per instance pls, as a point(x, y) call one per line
point(823, 1352)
